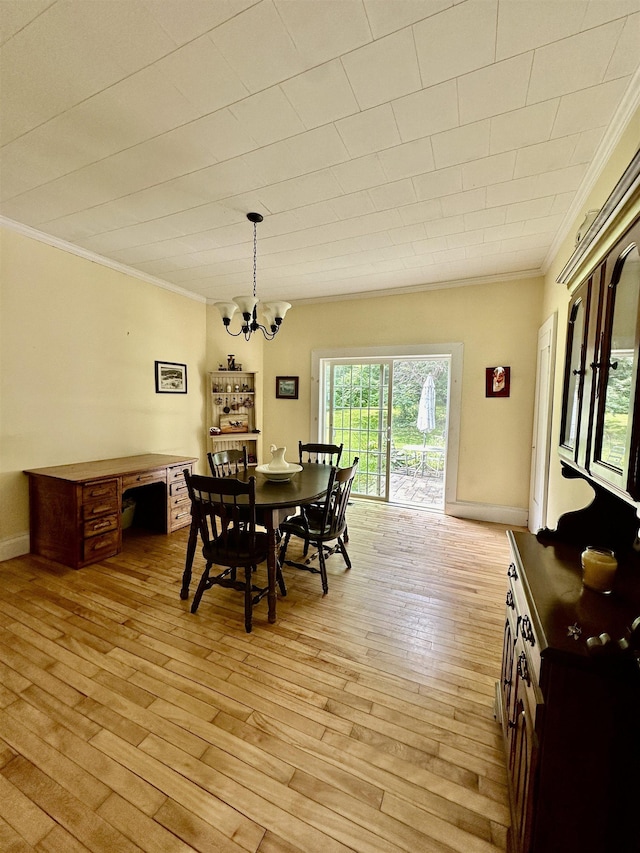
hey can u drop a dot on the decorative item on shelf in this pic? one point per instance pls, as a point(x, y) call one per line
point(214, 430)
point(231, 362)
point(598, 569)
point(278, 470)
point(586, 224)
point(274, 312)
point(234, 423)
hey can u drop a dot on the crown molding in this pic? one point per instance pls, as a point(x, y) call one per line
point(63, 245)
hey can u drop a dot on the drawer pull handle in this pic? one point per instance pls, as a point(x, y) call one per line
point(523, 669)
point(98, 493)
point(510, 603)
point(101, 524)
point(511, 571)
point(526, 631)
point(182, 514)
point(98, 510)
point(99, 545)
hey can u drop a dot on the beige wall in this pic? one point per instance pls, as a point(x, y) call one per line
point(78, 343)
point(497, 323)
point(565, 495)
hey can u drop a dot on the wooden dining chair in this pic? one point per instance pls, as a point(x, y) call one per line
point(225, 512)
point(321, 525)
point(322, 454)
point(227, 463)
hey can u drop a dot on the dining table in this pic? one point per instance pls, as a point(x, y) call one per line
point(275, 501)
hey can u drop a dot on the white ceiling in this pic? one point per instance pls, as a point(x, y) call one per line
point(388, 143)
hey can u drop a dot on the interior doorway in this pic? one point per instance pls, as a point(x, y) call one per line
point(393, 413)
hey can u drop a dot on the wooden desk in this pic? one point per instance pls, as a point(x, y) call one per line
point(274, 502)
point(75, 510)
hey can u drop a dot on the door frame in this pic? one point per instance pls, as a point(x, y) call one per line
point(454, 351)
point(542, 418)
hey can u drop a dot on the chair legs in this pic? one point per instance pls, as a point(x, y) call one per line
point(228, 578)
point(322, 552)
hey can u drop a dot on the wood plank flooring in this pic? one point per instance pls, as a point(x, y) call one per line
point(362, 721)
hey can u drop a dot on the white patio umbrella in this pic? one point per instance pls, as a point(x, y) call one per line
point(427, 407)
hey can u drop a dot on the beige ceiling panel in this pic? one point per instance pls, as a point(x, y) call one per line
point(543, 224)
point(370, 131)
point(587, 145)
point(186, 21)
point(300, 191)
point(408, 233)
point(423, 211)
point(203, 75)
point(352, 204)
point(384, 70)
point(559, 181)
point(508, 192)
point(489, 170)
point(16, 14)
point(268, 116)
point(591, 108)
point(546, 156)
point(258, 47)
point(318, 149)
point(426, 112)
point(461, 144)
point(324, 31)
point(486, 218)
point(385, 17)
point(464, 202)
point(439, 183)
point(523, 25)
point(496, 89)
point(408, 160)
point(445, 226)
point(601, 11)
point(395, 194)
point(530, 209)
point(573, 63)
point(456, 41)
point(359, 174)
point(466, 238)
point(42, 77)
point(321, 95)
point(523, 127)
point(625, 56)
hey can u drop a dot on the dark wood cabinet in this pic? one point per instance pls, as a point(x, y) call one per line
point(569, 692)
point(600, 422)
point(569, 703)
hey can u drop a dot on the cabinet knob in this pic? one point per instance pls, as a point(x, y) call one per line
point(526, 631)
point(510, 602)
point(511, 571)
point(523, 668)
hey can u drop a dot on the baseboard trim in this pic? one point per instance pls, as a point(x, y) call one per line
point(15, 547)
point(517, 516)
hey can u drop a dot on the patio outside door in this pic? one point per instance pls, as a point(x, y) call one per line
point(393, 414)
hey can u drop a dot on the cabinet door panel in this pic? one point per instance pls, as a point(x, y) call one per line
point(575, 368)
point(616, 439)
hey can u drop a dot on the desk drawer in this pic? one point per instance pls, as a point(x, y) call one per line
point(178, 489)
point(99, 499)
point(180, 516)
point(143, 478)
point(176, 474)
point(100, 547)
point(101, 524)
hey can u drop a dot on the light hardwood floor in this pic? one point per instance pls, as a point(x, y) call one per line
point(360, 721)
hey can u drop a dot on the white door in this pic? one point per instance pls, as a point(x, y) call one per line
point(541, 447)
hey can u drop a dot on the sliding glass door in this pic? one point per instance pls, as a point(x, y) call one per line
point(393, 414)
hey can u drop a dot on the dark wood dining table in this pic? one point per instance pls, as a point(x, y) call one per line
point(274, 502)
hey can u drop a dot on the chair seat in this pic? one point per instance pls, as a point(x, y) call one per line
point(237, 549)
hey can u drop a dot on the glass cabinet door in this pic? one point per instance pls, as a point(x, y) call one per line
point(616, 437)
point(575, 364)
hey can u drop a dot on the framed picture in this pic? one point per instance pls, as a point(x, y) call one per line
point(171, 378)
point(287, 387)
point(497, 381)
point(234, 423)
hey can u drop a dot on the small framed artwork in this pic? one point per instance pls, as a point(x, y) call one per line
point(171, 378)
point(498, 381)
point(234, 423)
point(287, 387)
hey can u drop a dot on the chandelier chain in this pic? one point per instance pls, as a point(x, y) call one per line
point(255, 252)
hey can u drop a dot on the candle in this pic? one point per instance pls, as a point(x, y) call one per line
point(598, 569)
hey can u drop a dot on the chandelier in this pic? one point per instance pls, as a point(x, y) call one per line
point(273, 312)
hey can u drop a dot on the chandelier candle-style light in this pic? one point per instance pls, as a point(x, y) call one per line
point(247, 305)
